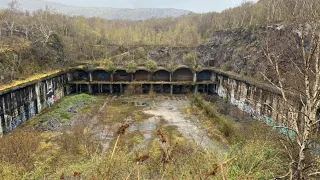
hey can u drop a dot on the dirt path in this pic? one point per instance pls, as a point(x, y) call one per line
point(172, 112)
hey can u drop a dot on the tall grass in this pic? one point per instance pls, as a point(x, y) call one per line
point(224, 125)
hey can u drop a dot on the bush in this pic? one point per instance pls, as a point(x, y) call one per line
point(190, 59)
point(131, 67)
point(109, 65)
point(151, 65)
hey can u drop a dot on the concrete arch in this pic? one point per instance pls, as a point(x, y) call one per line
point(204, 75)
point(81, 75)
point(161, 75)
point(143, 69)
point(141, 75)
point(183, 67)
point(121, 75)
point(101, 75)
point(183, 74)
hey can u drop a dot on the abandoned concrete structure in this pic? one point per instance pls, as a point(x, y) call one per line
point(181, 80)
point(20, 103)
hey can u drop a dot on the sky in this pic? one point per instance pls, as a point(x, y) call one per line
point(199, 6)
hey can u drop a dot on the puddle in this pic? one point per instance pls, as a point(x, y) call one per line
point(147, 125)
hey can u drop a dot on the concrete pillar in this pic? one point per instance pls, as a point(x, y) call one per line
point(111, 88)
point(194, 77)
point(121, 88)
point(196, 88)
point(170, 77)
point(1, 129)
point(161, 88)
point(70, 77)
point(171, 89)
point(37, 88)
point(77, 88)
point(213, 77)
point(90, 76)
point(90, 88)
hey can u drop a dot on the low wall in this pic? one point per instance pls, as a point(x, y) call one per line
point(20, 103)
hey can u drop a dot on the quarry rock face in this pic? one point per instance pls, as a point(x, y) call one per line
point(233, 50)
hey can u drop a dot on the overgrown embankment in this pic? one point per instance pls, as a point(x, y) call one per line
point(223, 124)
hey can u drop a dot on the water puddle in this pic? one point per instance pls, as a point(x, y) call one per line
point(147, 125)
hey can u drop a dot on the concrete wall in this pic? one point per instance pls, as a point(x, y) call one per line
point(122, 76)
point(20, 103)
point(261, 101)
point(161, 75)
point(101, 75)
point(142, 75)
point(183, 74)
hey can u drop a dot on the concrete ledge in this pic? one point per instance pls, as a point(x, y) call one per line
point(142, 82)
point(23, 85)
point(267, 87)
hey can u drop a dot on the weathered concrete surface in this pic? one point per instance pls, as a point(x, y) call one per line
point(261, 101)
point(20, 103)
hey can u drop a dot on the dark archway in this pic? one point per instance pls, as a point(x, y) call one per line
point(122, 76)
point(81, 75)
point(204, 75)
point(161, 75)
point(182, 74)
point(101, 75)
point(141, 75)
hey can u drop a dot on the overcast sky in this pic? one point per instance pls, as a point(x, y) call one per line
point(192, 5)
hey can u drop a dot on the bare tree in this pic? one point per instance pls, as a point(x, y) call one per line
point(43, 24)
point(301, 119)
point(11, 14)
point(28, 24)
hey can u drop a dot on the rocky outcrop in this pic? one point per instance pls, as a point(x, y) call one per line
point(242, 50)
point(233, 50)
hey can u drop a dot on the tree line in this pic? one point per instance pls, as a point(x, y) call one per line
point(45, 39)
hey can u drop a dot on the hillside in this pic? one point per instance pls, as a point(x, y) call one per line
point(102, 12)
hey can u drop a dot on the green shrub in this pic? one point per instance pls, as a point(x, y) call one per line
point(151, 65)
point(109, 65)
point(131, 66)
point(190, 59)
